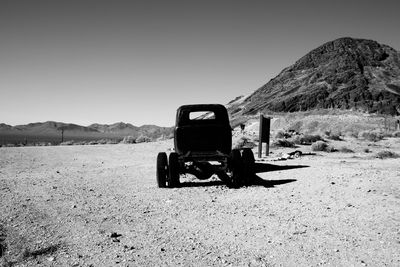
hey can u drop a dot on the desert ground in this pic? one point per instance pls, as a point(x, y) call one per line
point(100, 206)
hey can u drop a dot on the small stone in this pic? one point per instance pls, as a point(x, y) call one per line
point(115, 235)
point(50, 258)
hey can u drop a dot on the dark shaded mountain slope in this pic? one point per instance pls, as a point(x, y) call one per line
point(345, 73)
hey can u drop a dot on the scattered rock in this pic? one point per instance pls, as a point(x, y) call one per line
point(129, 247)
point(299, 232)
point(115, 235)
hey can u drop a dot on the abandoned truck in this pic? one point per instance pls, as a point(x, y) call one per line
point(203, 147)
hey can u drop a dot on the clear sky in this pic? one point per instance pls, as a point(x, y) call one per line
point(136, 61)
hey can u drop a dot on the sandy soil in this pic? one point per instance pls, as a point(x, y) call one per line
point(99, 206)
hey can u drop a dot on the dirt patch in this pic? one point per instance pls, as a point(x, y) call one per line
point(99, 205)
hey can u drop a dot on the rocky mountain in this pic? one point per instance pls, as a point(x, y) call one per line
point(346, 73)
point(53, 132)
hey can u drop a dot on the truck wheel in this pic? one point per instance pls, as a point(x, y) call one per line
point(162, 169)
point(173, 180)
point(236, 168)
point(248, 166)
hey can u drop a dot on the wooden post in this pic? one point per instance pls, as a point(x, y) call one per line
point(265, 125)
point(259, 137)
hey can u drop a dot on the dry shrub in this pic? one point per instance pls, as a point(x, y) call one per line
point(306, 139)
point(128, 140)
point(366, 150)
point(344, 149)
point(335, 137)
point(80, 143)
point(372, 136)
point(243, 142)
point(387, 154)
point(143, 139)
point(319, 146)
point(296, 126)
point(280, 135)
point(353, 134)
point(67, 143)
point(330, 149)
point(283, 143)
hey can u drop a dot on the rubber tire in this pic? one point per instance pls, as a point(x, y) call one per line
point(248, 166)
point(173, 180)
point(162, 170)
point(236, 167)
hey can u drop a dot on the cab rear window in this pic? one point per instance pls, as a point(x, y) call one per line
point(201, 115)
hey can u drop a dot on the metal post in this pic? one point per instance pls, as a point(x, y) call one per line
point(264, 132)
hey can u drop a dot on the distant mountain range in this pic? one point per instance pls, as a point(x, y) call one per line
point(54, 132)
point(346, 73)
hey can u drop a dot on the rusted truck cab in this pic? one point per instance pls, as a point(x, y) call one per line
point(203, 147)
point(202, 130)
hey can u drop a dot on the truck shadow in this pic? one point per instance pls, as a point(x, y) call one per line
point(257, 180)
point(265, 167)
